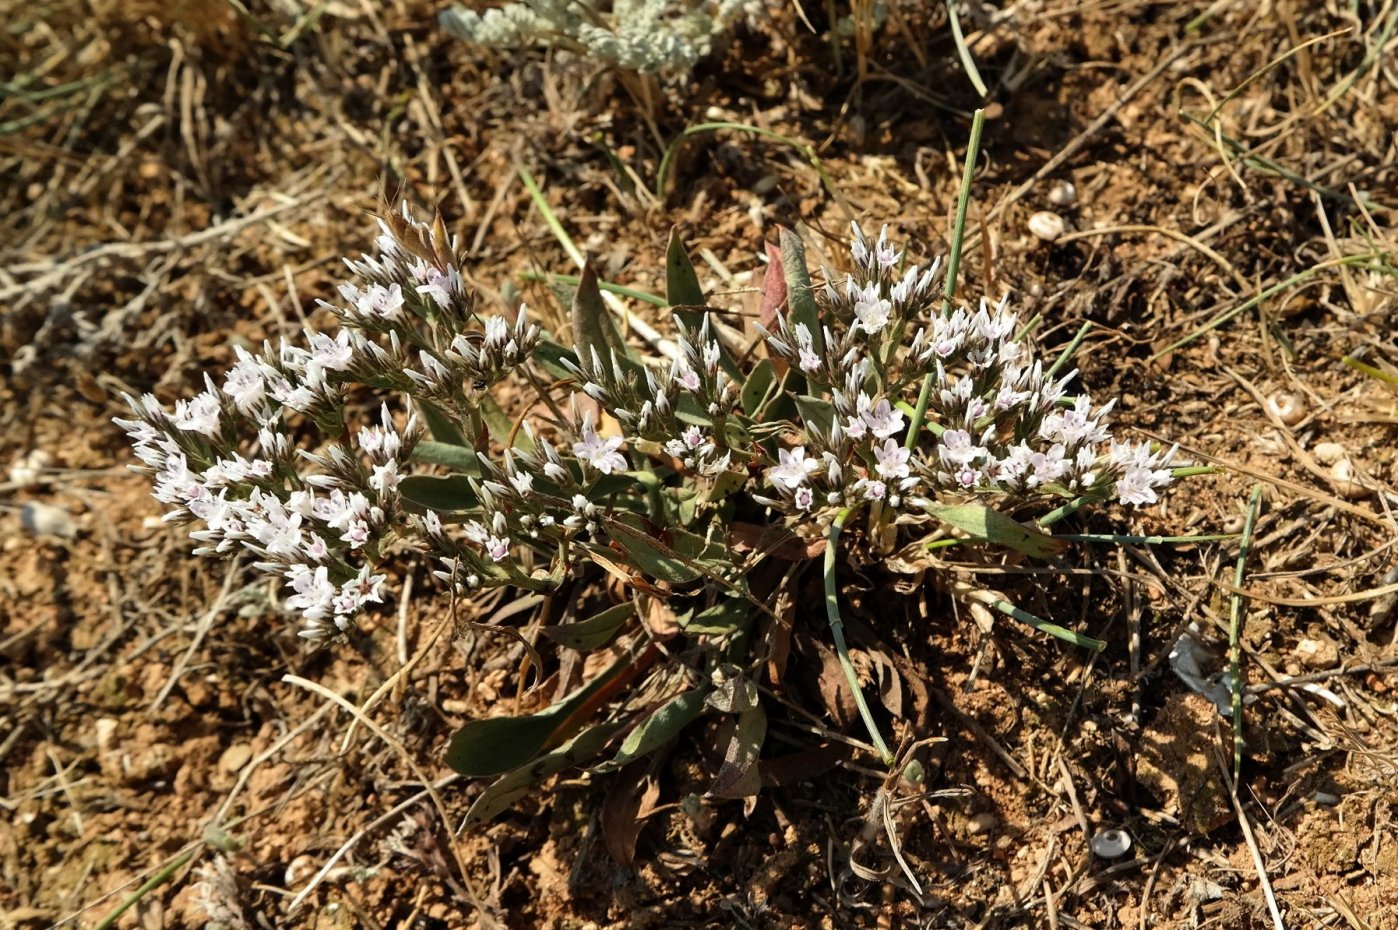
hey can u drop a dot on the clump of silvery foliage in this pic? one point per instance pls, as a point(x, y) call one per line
point(636, 35)
point(612, 457)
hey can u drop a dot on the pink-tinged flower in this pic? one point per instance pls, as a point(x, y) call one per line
point(892, 460)
point(884, 420)
point(332, 353)
point(600, 453)
point(381, 303)
point(199, 414)
point(803, 498)
point(687, 378)
point(871, 310)
point(497, 548)
point(1134, 487)
point(792, 468)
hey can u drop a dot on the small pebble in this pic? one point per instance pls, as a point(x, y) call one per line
point(1328, 453)
point(1047, 226)
point(105, 729)
point(1111, 844)
point(982, 823)
point(1317, 653)
point(27, 469)
point(1063, 194)
point(47, 520)
point(235, 757)
point(1326, 799)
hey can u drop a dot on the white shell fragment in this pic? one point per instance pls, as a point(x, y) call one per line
point(1047, 226)
point(47, 520)
point(1111, 844)
point(1288, 406)
point(1345, 479)
point(1063, 194)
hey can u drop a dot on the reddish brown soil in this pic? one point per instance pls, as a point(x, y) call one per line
point(196, 186)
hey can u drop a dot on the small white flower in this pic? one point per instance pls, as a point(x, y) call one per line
point(808, 360)
point(871, 310)
point(523, 482)
point(385, 477)
point(332, 353)
point(892, 460)
point(803, 498)
point(497, 548)
point(200, 414)
point(792, 468)
point(600, 453)
point(884, 420)
point(381, 303)
point(1134, 487)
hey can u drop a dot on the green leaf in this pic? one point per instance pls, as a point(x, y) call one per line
point(593, 329)
point(675, 558)
point(724, 617)
point(494, 745)
point(442, 427)
point(758, 384)
point(991, 526)
point(658, 729)
point(800, 296)
point(502, 795)
point(446, 494)
point(594, 632)
point(549, 355)
point(817, 415)
point(458, 458)
point(681, 283)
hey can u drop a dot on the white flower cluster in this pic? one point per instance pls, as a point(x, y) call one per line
point(1005, 426)
point(227, 460)
point(637, 35)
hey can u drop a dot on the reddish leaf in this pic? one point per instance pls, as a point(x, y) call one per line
point(773, 288)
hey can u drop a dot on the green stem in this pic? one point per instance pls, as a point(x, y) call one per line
point(837, 632)
point(958, 236)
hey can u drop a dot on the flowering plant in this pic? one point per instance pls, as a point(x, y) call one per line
point(682, 479)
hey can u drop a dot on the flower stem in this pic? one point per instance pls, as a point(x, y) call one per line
point(958, 236)
point(837, 632)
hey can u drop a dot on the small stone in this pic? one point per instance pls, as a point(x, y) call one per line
point(1111, 844)
point(1328, 453)
point(1063, 194)
point(105, 730)
point(1047, 226)
point(982, 823)
point(234, 758)
point(1317, 653)
point(27, 469)
point(47, 520)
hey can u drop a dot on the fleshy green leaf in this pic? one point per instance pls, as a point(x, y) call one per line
point(659, 728)
point(991, 526)
point(757, 385)
point(817, 414)
point(677, 557)
point(443, 495)
point(738, 776)
point(594, 632)
point(800, 296)
point(681, 283)
point(495, 745)
point(593, 329)
point(443, 429)
point(458, 458)
point(502, 795)
point(724, 617)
